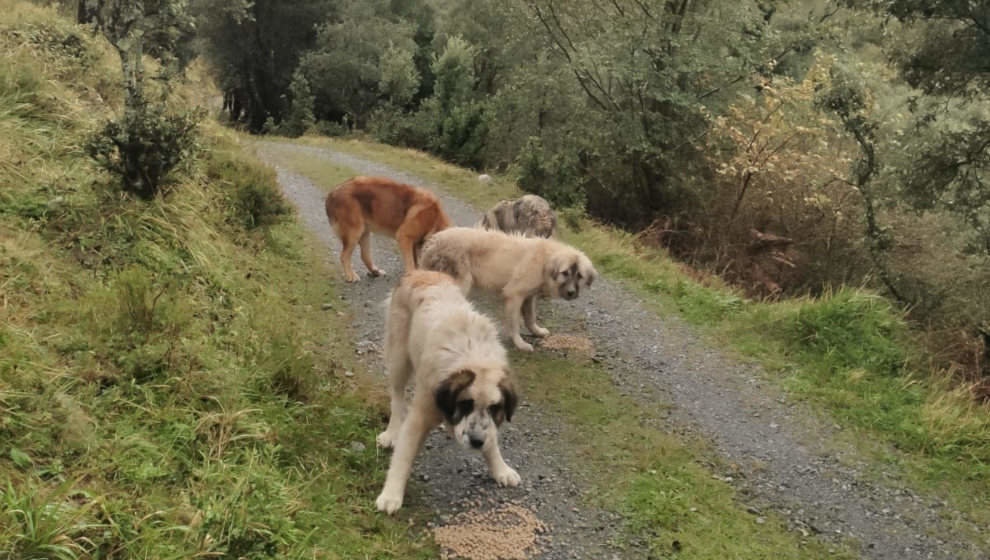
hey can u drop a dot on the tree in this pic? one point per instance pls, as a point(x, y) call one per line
point(345, 68)
point(139, 27)
point(254, 47)
point(148, 141)
point(946, 54)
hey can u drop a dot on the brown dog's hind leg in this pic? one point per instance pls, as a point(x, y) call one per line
point(348, 243)
point(365, 243)
point(406, 244)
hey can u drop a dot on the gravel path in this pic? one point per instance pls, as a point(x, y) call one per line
point(782, 454)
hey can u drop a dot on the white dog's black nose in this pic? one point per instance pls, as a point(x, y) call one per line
point(476, 443)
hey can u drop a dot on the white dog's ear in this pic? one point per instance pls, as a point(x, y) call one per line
point(510, 398)
point(590, 275)
point(445, 395)
point(553, 267)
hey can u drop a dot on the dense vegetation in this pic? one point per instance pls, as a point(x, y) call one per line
point(789, 146)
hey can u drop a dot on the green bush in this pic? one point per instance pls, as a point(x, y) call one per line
point(391, 125)
point(145, 145)
point(254, 195)
point(300, 117)
point(850, 330)
point(462, 132)
point(552, 176)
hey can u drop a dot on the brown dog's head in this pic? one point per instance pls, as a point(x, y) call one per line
point(474, 403)
point(567, 270)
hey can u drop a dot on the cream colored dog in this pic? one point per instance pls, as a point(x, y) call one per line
point(518, 268)
point(462, 378)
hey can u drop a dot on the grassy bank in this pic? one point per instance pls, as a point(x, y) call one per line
point(851, 351)
point(167, 389)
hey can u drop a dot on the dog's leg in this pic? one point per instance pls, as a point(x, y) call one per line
point(411, 436)
point(529, 315)
point(348, 241)
point(503, 474)
point(366, 255)
point(406, 244)
point(399, 369)
point(513, 318)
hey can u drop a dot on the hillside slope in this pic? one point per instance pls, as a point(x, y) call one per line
point(167, 388)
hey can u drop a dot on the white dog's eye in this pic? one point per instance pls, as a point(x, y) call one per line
point(564, 273)
point(579, 276)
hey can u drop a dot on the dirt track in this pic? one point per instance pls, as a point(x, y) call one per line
point(783, 454)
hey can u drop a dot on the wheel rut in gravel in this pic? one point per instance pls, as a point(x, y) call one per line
point(782, 454)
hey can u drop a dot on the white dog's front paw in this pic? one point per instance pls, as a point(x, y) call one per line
point(388, 503)
point(539, 331)
point(507, 477)
point(523, 345)
point(385, 440)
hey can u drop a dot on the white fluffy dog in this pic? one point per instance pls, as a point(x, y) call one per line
point(461, 372)
point(518, 268)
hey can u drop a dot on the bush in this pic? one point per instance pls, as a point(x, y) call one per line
point(461, 133)
point(144, 146)
point(391, 125)
point(551, 176)
point(331, 129)
point(255, 198)
point(849, 330)
point(300, 116)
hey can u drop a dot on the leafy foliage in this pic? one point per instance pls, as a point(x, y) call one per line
point(255, 47)
point(144, 145)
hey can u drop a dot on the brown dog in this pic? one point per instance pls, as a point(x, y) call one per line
point(363, 205)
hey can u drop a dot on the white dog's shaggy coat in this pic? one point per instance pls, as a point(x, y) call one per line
point(461, 372)
point(518, 268)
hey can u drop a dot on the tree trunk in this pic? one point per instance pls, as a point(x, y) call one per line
point(86, 11)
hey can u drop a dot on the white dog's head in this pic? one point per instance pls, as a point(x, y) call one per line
point(475, 402)
point(566, 270)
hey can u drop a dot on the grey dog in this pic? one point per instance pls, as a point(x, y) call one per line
point(529, 215)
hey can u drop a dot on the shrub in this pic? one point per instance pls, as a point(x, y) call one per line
point(255, 198)
point(461, 133)
point(850, 330)
point(300, 116)
point(552, 176)
point(391, 125)
point(144, 146)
